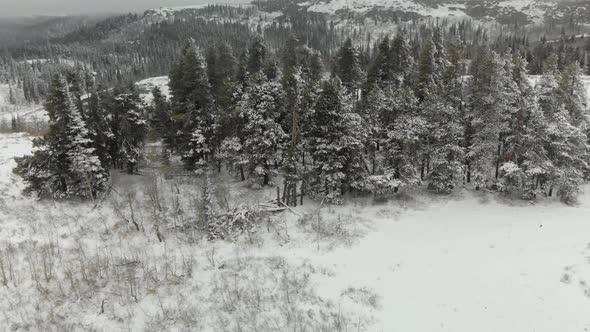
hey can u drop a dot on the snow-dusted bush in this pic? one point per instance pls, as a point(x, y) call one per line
point(239, 220)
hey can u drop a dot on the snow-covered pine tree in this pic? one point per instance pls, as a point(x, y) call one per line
point(426, 84)
point(444, 150)
point(193, 116)
point(404, 142)
point(87, 175)
point(547, 86)
point(64, 163)
point(256, 56)
point(335, 142)
point(379, 72)
point(524, 106)
point(571, 93)
point(131, 129)
point(99, 128)
point(533, 156)
point(292, 99)
point(567, 150)
point(376, 103)
point(402, 61)
point(491, 104)
point(261, 137)
point(347, 66)
point(160, 123)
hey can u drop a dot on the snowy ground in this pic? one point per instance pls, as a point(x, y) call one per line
point(146, 86)
point(469, 262)
point(26, 111)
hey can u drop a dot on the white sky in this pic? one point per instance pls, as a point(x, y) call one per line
point(62, 7)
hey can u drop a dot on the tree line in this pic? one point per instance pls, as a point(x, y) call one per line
point(424, 115)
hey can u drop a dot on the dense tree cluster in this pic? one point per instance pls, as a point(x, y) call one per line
point(86, 138)
point(435, 119)
point(425, 106)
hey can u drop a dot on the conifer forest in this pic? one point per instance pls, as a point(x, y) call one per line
point(281, 165)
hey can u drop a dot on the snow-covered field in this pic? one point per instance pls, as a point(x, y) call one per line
point(472, 261)
point(146, 86)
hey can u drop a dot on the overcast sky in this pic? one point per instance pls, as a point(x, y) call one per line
point(62, 7)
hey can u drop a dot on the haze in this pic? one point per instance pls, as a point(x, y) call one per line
point(71, 7)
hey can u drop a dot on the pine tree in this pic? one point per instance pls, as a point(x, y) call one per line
point(256, 56)
point(335, 143)
point(131, 130)
point(261, 138)
point(379, 73)
point(160, 122)
point(316, 67)
point(533, 157)
point(99, 128)
point(87, 175)
point(571, 93)
point(491, 103)
point(193, 115)
point(402, 62)
point(64, 163)
point(347, 66)
point(444, 152)
point(567, 150)
point(548, 85)
point(404, 144)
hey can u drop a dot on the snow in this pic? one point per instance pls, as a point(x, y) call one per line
point(25, 111)
point(529, 7)
point(331, 6)
point(147, 85)
point(170, 12)
point(68, 62)
point(472, 261)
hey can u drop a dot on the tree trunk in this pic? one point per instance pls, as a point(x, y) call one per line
point(498, 160)
point(374, 160)
point(242, 173)
point(302, 192)
point(422, 170)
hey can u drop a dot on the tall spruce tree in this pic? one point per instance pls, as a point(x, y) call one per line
point(64, 163)
point(193, 115)
point(347, 66)
point(335, 143)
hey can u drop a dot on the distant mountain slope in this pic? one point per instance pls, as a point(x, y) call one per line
point(507, 12)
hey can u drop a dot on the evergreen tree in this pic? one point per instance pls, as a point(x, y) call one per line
point(444, 151)
point(64, 163)
point(99, 127)
point(193, 116)
point(261, 138)
point(159, 120)
point(567, 150)
point(379, 73)
point(256, 56)
point(571, 93)
point(427, 70)
point(347, 66)
point(492, 106)
point(404, 145)
point(131, 130)
point(335, 143)
point(402, 61)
